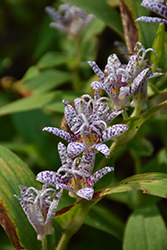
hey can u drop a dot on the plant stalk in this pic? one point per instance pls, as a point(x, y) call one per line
point(63, 241)
point(44, 244)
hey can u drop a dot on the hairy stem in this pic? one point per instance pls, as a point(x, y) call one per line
point(136, 112)
point(125, 115)
point(63, 241)
point(75, 67)
point(44, 244)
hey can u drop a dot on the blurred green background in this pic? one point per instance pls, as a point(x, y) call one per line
point(37, 71)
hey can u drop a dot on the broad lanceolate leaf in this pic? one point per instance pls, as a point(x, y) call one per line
point(72, 217)
point(14, 172)
point(51, 100)
point(145, 230)
point(150, 183)
point(103, 11)
point(47, 80)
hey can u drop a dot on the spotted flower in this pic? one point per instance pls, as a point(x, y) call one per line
point(157, 6)
point(40, 207)
point(85, 166)
point(87, 122)
point(69, 18)
point(74, 175)
point(121, 81)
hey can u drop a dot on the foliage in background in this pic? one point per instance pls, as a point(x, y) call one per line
point(39, 67)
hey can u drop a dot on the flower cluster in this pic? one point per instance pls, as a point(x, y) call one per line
point(87, 122)
point(157, 6)
point(40, 207)
point(121, 81)
point(86, 125)
point(69, 18)
point(76, 174)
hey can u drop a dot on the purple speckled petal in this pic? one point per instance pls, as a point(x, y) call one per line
point(51, 178)
point(112, 114)
point(36, 218)
point(99, 85)
point(62, 153)
point(96, 94)
point(87, 162)
point(131, 63)
point(154, 75)
point(70, 115)
point(52, 208)
point(113, 62)
point(21, 203)
point(88, 19)
point(136, 82)
point(113, 132)
point(23, 192)
point(97, 71)
point(61, 133)
point(75, 148)
point(54, 14)
point(158, 8)
point(86, 193)
point(102, 148)
point(149, 19)
point(64, 186)
point(65, 102)
point(98, 175)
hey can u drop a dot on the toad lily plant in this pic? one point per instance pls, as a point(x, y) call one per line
point(40, 207)
point(69, 18)
point(88, 126)
point(77, 176)
point(93, 130)
point(122, 81)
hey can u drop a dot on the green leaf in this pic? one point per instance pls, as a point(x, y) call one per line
point(46, 80)
point(52, 100)
point(105, 220)
point(150, 183)
point(13, 219)
point(51, 59)
point(71, 218)
point(158, 45)
point(29, 103)
point(103, 11)
point(145, 230)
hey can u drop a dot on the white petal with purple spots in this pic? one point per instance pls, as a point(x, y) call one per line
point(61, 133)
point(75, 148)
point(102, 148)
point(113, 132)
point(86, 193)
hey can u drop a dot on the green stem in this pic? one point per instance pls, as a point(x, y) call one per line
point(75, 67)
point(136, 111)
point(63, 241)
point(125, 115)
point(44, 244)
